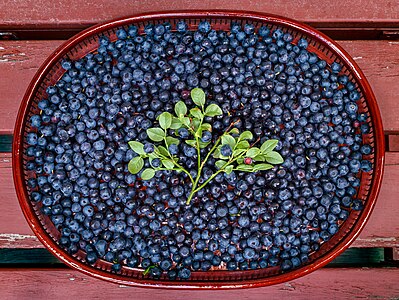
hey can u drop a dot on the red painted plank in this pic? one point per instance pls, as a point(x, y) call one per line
point(393, 143)
point(66, 13)
point(392, 158)
point(382, 230)
point(379, 61)
point(19, 60)
point(69, 284)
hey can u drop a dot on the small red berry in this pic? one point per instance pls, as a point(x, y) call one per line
point(185, 94)
point(247, 160)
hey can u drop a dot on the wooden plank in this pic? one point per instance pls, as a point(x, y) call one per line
point(69, 284)
point(393, 141)
point(21, 59)
point(392, 158)
point(381, 68)
point(26, 57)
point(395, 254)
point(381, 230)
point(64, 13)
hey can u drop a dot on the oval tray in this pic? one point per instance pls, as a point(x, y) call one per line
point(87, 41)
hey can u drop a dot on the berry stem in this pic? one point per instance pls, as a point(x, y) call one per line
point(177, 165)
point(222, 169)
point(194, 187)
point(211, 151)
point(198, 144)
point(217, 143)
point(201, 165)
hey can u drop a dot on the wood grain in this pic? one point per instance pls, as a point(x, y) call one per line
point(20, 60)
point(382, 230)
point(68, 284)
point(64, 13)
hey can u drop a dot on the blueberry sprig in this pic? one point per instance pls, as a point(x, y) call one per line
point(232, 149)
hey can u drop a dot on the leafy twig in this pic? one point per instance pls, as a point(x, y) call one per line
point(232, 149)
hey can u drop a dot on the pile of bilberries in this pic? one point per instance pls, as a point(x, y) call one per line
point(265, 84)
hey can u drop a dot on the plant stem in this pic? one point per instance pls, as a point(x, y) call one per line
point(177, 165)
point(222, 169)
point(211, 151)
point(200, 167)
point(184, 170)
point(198, 146)
point(194, 188)
point(217, 143)
point(206, 182)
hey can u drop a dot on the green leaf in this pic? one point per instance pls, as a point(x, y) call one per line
point(196, 123)
point(198, 133)
point(192, 143)
point(147, 174)
point(206, 126)
point(198, 96)
point(262, 167)
point(246, 135)
point(171, 140)
point(220, 163)
point(196, 113)
point(156, 134)
point(228, 169)
point(180, 109)
point(274, 157)
point(268, 146)
point(185, 121)
point(213, 110)
point(240, 160)
point(176, 124)
point(137, 147)
point(152, 155)
point(238, 152)
point(168, 164)
point(216, 154)
point(234, 131)
point(203, 145)
point(245, 168)
point(135, 165)
point(162, 150)
point(229, 140)
point(242, 145)
point(165, 120)
point(252, 152)
point(259, 157)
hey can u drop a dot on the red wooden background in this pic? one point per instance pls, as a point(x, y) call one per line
point(366, 25)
